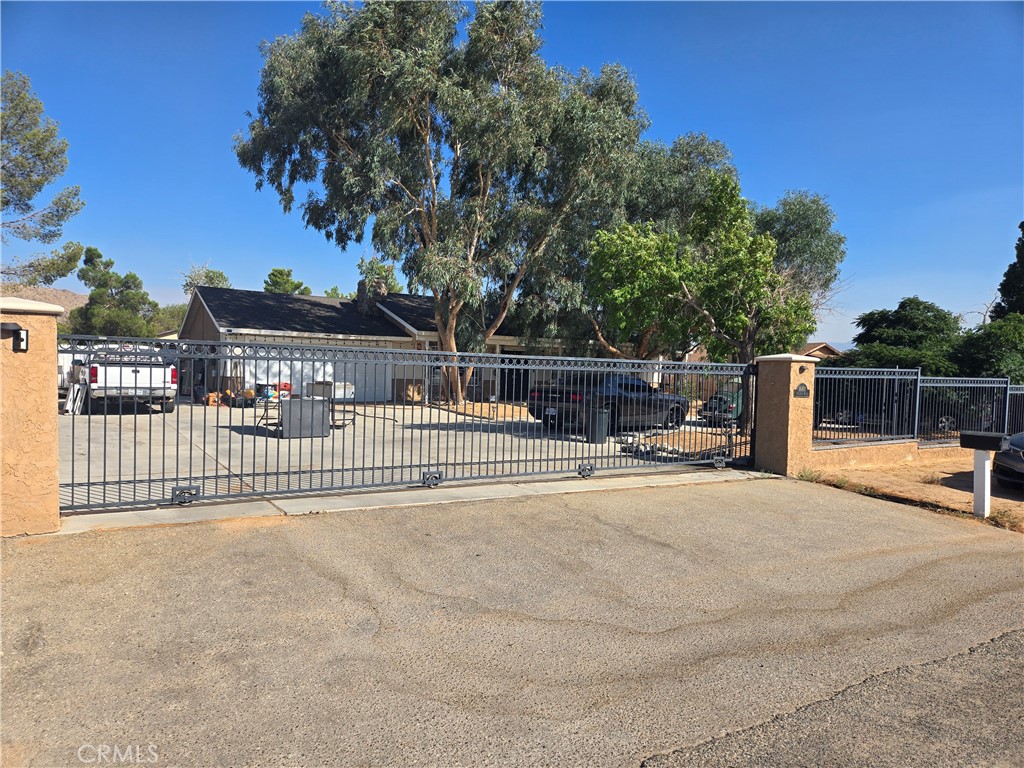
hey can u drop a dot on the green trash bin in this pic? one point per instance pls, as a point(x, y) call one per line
point(597, 424)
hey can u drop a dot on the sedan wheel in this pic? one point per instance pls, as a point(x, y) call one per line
point(675, 418)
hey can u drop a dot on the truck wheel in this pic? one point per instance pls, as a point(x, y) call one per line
point(168, 406)
point(95, 405)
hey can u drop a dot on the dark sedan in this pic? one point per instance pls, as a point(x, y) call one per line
point(1008, 466)
point(632, 402)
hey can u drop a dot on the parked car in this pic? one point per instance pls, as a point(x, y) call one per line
point(116, 377)
point(725, 405)
point(1008, 465)
point(631, 401)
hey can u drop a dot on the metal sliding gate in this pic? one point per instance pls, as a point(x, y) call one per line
point(147, 421)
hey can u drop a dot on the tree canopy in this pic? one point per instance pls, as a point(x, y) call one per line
point(915, 324)
point(995, 349)
point(745, 307)
point(477, 162)
point(1011, 289)
point(633, 281)
point(917, 334)
point(118, 305)
point(809, 249)
point(169, 317)
point(280, 280)
point(199, 275)
point(32, 157)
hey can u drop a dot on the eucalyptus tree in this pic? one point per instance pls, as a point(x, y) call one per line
point(809, 247)
point(476, 162)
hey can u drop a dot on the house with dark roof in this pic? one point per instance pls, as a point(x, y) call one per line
point(384, 321)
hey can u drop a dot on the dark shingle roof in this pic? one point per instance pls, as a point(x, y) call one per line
point(417, 311)
point(234, 308)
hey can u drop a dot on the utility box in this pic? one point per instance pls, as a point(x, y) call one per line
point(305, 418)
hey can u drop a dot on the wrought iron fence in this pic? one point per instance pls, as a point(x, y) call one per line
point(952, 405)
point(863, 405)
point(151, 421)
point(1015, 409)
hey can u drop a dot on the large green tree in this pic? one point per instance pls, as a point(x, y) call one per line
point(33, 156)
point(280, 280)
point(745, 306)
point(1011, 289)
point(118, 305)
point(476, 161)
point(917, 334)
point(633, 283)
point(995, 349)
point(717, 283)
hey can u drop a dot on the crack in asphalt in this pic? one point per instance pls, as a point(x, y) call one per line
point(781, 717)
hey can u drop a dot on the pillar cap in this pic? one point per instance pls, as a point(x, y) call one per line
point(786, 359)
point(15, 304)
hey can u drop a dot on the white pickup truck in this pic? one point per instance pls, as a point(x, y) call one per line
point(114, 376)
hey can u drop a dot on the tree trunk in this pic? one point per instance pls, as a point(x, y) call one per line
point(449, 373)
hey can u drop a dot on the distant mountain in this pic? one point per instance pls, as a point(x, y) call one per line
point(62, 298)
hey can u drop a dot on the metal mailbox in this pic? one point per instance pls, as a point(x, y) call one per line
point(984, 441)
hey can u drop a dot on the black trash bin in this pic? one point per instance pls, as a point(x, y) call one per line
point(597, 424)
point(199, 393)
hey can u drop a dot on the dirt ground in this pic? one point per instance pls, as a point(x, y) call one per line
point(944, 484)
point(489, 411)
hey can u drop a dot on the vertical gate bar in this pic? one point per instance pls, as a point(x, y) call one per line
point(917, 406)
point(69, 409)
point(1006, 408)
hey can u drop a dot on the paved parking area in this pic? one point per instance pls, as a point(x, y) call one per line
point(592, 629)
point(139, 457)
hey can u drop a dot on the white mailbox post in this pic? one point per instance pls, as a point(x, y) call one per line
point(983, 444)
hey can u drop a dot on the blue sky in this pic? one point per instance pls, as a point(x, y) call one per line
point(908, 116)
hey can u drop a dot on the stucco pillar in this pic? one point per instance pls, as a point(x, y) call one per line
point(29, 494)
point(785, 412)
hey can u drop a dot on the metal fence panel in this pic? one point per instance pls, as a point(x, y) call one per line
point(1015, 409)
point(251, 420)
point(864, 404)
point(951, 405)
point(869, 404)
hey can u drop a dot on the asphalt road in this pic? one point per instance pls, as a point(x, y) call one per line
point(749, 623)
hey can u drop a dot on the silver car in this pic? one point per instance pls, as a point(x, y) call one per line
point(1008, 467)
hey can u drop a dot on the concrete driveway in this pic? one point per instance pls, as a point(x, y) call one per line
point(592, 629)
